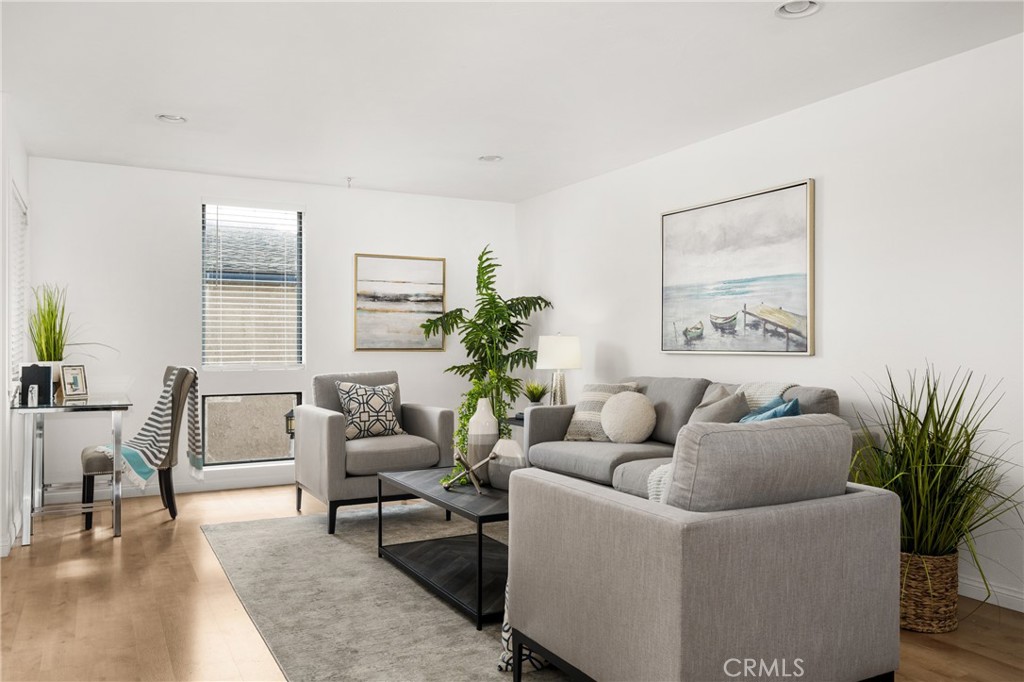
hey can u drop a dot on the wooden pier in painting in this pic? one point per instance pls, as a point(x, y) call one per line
point(777, 319)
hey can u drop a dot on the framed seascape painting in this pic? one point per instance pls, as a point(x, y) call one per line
point(738, 274)
point(394, 296)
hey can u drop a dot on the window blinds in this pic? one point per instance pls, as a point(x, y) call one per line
point(252, 287)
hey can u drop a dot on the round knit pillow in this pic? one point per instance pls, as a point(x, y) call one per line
point(628, 417)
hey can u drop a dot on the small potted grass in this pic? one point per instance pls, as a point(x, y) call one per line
point(535, 392)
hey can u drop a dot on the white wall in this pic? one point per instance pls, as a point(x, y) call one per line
point(918, 254)
point(13, 178)
point(127, 243)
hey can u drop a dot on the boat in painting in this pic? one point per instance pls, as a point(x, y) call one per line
point(726, 325)
point(693, 333)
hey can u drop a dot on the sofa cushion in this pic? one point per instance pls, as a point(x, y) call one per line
point(632, 477)
point(586, 418)
point(368, 456)
point(628, 417)
point(735, 466)
point(721, 407)
point(592, 461)
point(674, 400)
point(814, 400)
point(370, 410)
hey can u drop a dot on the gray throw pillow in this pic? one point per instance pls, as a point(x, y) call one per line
point(721, 408)
point(370, 410)
point(586, 419)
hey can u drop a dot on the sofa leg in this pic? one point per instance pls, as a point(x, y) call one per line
point(447, 514)
point(517, 657)
point(884, 677)
point(332, 516)
point(298, 499)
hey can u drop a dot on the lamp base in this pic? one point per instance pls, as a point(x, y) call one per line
point(558, 388)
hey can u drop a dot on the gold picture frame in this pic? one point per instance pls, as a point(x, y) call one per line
point(393, 296)
point(738, 274)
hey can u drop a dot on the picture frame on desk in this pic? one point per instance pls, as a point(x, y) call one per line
point(72, 381)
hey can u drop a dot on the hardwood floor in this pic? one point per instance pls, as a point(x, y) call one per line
point(155, 605)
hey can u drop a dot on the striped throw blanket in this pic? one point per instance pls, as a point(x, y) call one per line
point(759, 393)
point(146, 451)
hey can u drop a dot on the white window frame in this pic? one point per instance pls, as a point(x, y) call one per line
point(254, 367)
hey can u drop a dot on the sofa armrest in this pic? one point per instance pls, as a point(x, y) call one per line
point(625, 588)
point(545, 423)
point(320, 451)
point(436, 424)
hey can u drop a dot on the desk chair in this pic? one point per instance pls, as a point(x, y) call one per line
point(95, 461)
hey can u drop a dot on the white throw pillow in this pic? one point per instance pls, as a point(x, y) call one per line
point(628, 417)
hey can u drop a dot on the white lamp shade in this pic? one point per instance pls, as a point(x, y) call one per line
point(559, 352)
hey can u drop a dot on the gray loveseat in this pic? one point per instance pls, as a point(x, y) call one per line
point(765, 559)
point(626, 466)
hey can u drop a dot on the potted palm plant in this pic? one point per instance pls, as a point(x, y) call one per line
point(490, 335)
point(926, 446)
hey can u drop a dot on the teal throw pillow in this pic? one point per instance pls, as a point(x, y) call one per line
point(773, 409)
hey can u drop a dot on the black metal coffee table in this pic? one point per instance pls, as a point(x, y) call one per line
point(468, 570)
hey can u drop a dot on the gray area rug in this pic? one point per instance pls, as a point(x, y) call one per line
point(330, 609)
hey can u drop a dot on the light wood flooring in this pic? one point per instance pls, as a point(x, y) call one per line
point(156, 605)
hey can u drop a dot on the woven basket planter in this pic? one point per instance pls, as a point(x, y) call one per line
point(928, 600)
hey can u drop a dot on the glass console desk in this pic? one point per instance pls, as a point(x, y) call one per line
point(33, 489)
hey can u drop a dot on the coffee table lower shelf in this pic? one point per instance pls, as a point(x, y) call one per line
point(448, 568)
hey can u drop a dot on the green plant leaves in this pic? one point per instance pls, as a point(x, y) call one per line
point(489, 337)
point(48, 323)
point(929, 455)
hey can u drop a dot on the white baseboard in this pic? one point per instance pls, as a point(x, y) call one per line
point(223, 477)
point(1007, 597)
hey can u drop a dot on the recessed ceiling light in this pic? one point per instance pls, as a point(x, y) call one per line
point(797, 9)
point(490, 158)
point(171, 118)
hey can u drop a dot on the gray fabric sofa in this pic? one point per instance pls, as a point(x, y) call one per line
point(771, 556)
point(339, 472)
point(627, 466)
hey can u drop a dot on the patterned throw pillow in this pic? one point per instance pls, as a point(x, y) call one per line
point(586, 419)
point(370, 410)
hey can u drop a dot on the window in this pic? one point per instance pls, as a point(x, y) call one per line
point(249, 427)
point(252, 287)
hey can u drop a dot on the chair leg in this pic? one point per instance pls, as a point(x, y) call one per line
point(332, 516)
point(163, 492)
point(168, 487)
point(298, 499)
point(88, 488)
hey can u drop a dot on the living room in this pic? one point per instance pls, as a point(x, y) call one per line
point(376, 123)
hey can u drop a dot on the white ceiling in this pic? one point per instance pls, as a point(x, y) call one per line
point(405, 97)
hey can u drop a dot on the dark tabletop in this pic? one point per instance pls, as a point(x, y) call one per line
point(491, 505)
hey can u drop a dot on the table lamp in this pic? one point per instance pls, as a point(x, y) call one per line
point(558, 353)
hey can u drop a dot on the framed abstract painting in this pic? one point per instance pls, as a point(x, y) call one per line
point(738, 274)
point(394, 295)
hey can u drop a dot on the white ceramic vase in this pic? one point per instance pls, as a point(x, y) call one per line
point(481, 436)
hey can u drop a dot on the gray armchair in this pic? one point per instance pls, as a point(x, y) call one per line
point(337, 472)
